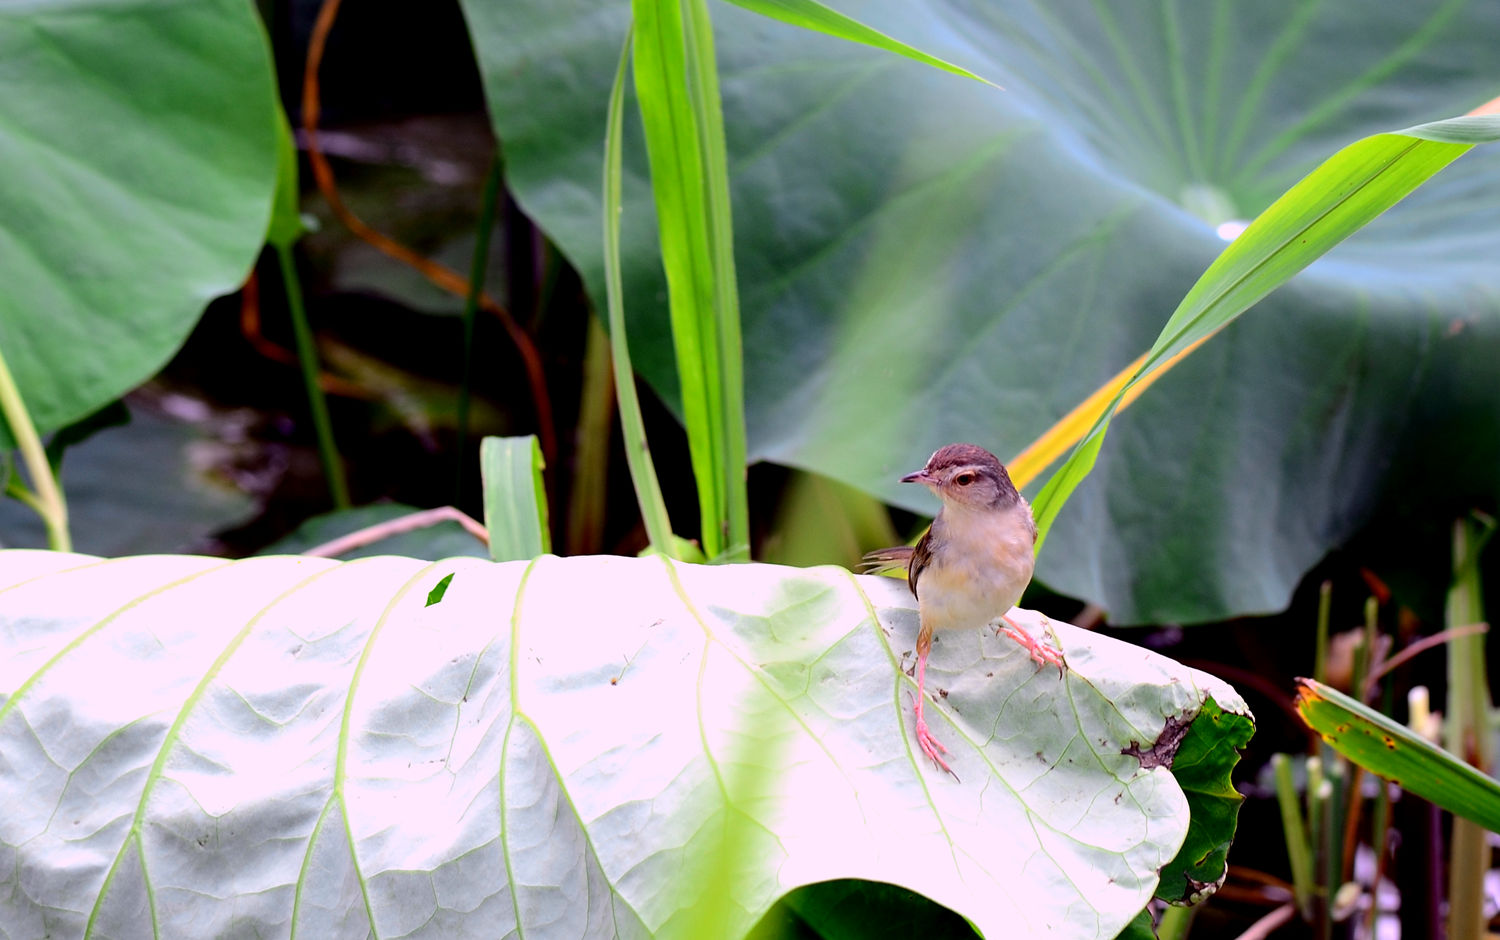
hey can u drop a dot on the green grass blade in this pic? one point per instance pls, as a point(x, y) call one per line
point(1392, 751)
point(1328, 205)
point(729, 431)
point(809, 14)
point(633, 429)
point(670, 62)
point(703, 91)
point(307, 361)
point(515, 501)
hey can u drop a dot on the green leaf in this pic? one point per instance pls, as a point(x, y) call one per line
point(925, 261)
point(1202, 764)
point(515, 498)
point(113, 415)
point(1139, 929)
point(139, 165)
point(308, 745)
point(855, 910)
point(812, 15)
point(117, 508)
point(643, 477)
point(1394, 752)
point(1341, 196)
point(676, 83)
point(435, 596)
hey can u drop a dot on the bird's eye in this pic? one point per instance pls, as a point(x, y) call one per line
point(964, 479)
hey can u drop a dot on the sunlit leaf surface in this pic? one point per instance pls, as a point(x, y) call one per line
point(195, 747)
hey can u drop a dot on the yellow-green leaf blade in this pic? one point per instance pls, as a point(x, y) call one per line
point(1332, 202)
point(1389, 750)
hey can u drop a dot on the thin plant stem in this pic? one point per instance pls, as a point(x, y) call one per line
point(1325, 607)
point(1468, 729)
point(1299, 854)
point(590, 475)
point(632, 427)
point(477, 268)
point(307, 358)
point(411, 522)
point(49, 502)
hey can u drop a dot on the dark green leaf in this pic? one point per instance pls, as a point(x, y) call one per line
point(925, 260)
point(139, 168)
point(112, 415)
point(1203, 763)
point(156, 484)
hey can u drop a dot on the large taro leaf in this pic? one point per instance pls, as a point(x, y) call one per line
point(926, 259)
point(138, 153)
point(195, 747)
point(118, 510)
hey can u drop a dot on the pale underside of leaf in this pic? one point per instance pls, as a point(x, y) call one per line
point(303, 746)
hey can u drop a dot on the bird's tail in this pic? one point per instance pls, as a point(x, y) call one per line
point(887, 560)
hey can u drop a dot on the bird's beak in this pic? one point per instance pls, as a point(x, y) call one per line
point(921, 476)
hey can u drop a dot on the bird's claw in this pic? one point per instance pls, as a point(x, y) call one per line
point(1041, 653)
point(930, 745)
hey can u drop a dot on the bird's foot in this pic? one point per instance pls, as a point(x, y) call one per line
point(1041, 653)
point(930, 745)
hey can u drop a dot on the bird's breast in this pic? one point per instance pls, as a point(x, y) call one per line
point(978, 572)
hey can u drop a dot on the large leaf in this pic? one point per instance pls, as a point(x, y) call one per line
point(560, 746)
point(116, 509)
point(927, 259)
point(138, 149)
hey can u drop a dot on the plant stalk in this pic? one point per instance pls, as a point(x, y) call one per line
point(1299, 852)
point(49, 503)
point(307, 358)
point(1467, 728)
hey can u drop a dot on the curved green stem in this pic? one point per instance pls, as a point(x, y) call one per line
point(307, 357)
point(48, 501)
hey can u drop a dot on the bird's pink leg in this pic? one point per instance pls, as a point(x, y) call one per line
point(929, 745)
point(1041, 653)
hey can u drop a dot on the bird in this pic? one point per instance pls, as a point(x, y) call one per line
point(971, 566)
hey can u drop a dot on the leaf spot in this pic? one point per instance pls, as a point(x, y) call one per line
point(1161, 753)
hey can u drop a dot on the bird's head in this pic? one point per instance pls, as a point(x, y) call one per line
point(967, 476)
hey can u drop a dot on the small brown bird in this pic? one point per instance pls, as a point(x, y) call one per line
point(971, 567)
